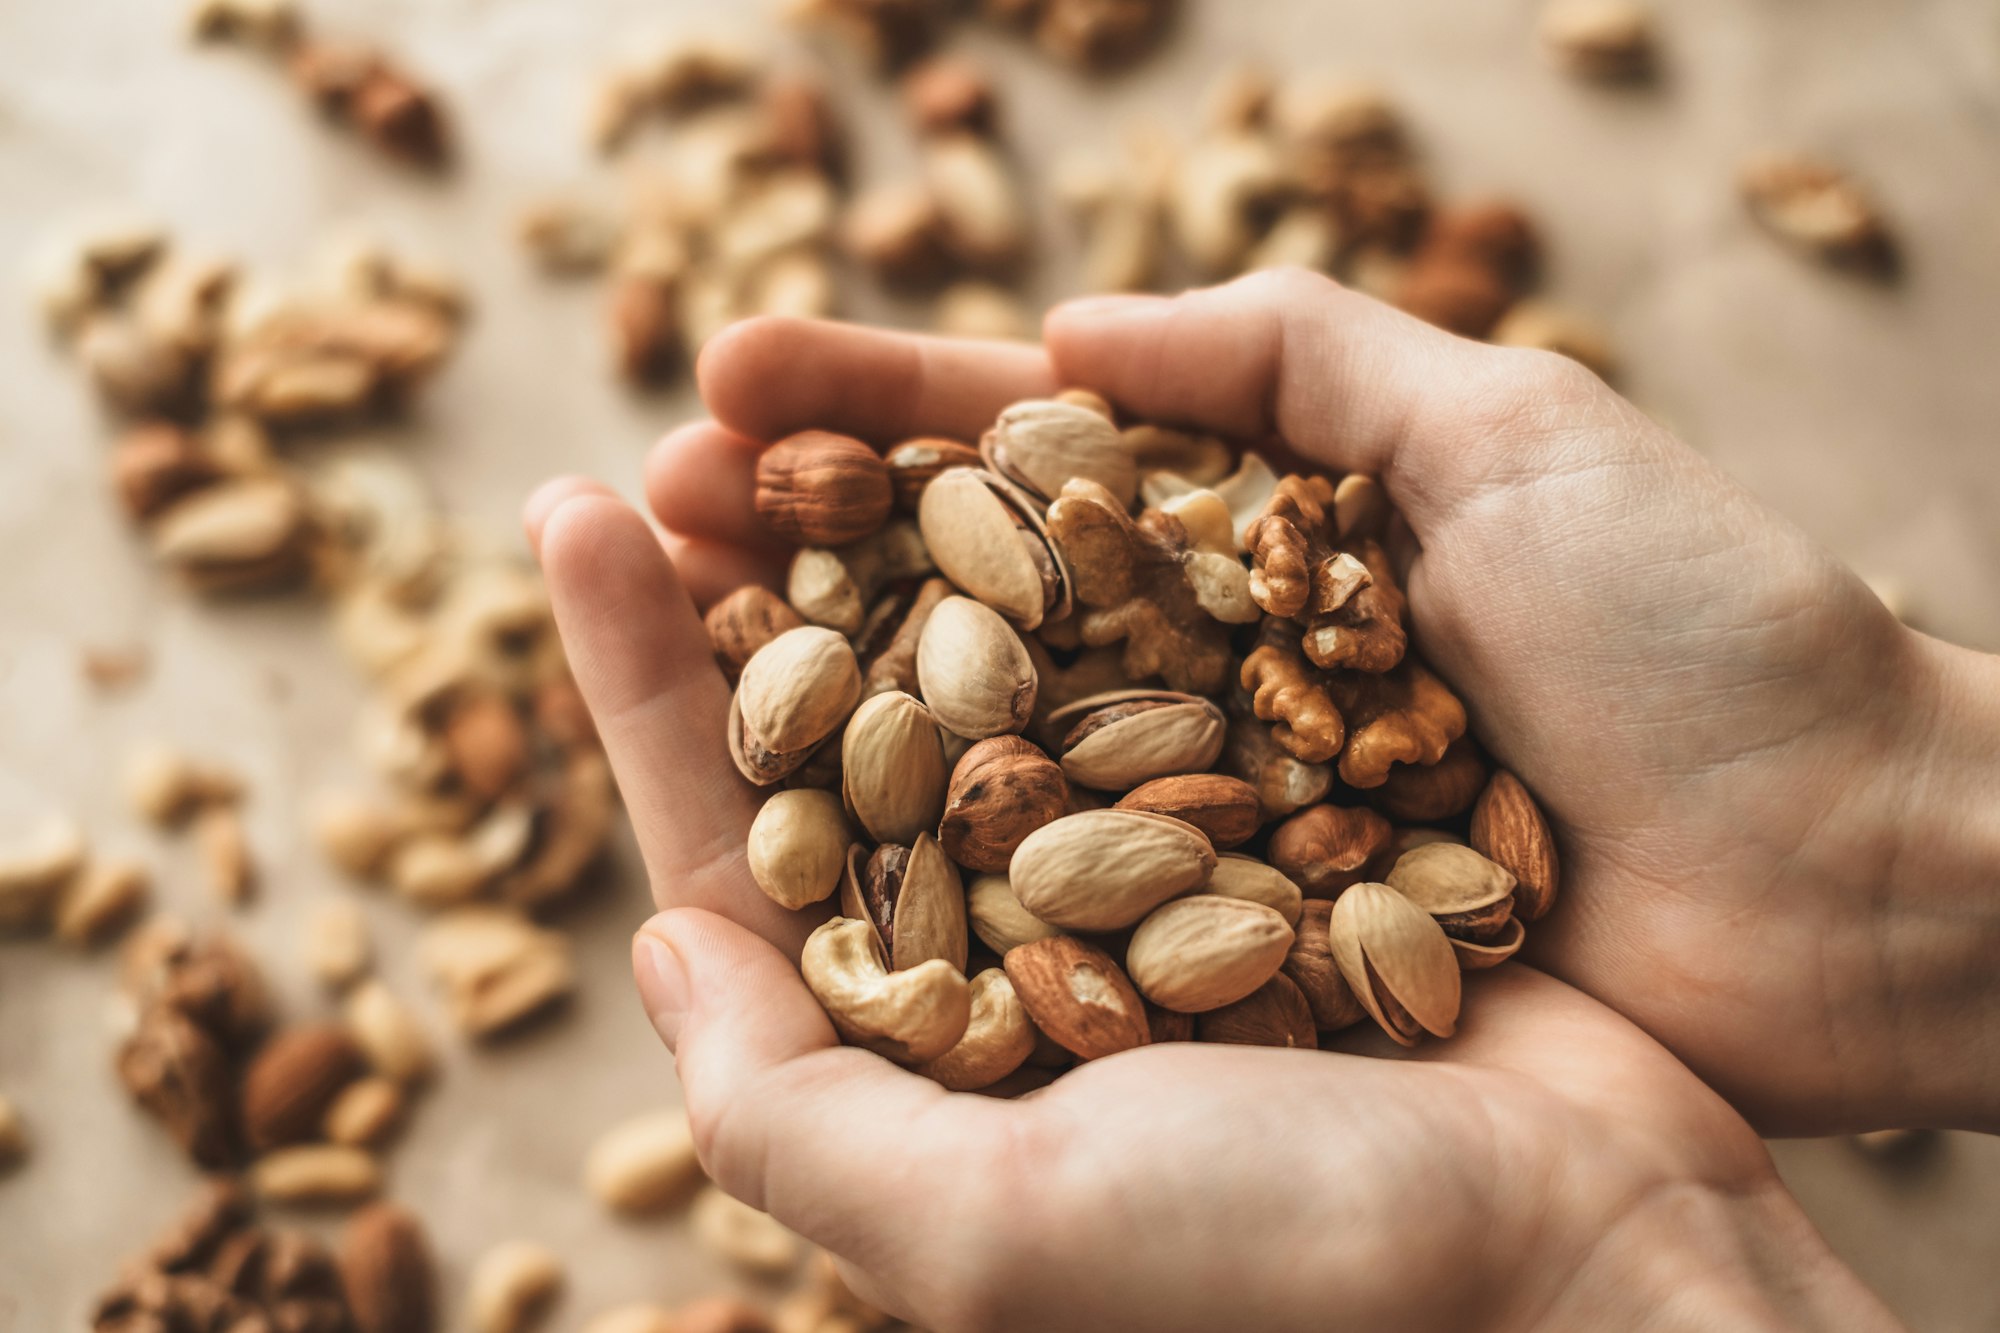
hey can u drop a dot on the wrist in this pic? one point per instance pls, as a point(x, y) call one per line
point(1691, 1256)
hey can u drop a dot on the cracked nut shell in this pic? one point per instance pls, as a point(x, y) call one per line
point(1119, 740)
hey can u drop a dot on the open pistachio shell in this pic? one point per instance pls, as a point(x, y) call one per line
point(1397, 960)
point(1470, 896)
point(1475, 957)
point(1118, 740)
point(1041, 443)
point(795, 692)
point(987, 538)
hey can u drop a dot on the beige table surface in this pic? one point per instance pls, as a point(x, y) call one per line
point(1866, 413)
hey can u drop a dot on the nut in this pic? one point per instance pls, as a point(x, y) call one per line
point(365, 1112)
point(288, 1087)
point(13, 1136)
point(1122, 739)
point(1223, 808)
point(747, 1237)
point(795, 692)
point(447, 869)
point(1508, 829)
point(1325, 848)
point(1106, 869)
point(981, 221)
point(34, 869)
point(235, 534)
point(1423, 793)
point(569, 832)
point(635, 1318)
point(497, 968)
point(745, 621)
point(337, 949)
point(798, 846)
point(1224, 187)
point(102, 899)
point(174, 1068)
point(1041, 444)
point(1275, 1014)
point(1311, 968)
point(989, 539)
point(1286, 691)
point(998, 918)
point(1606, 41)
point(1816, 208)
point(892, 768)
point(225, 853)
point(155, 464)
point(166, 786)
point(1397, 960)
point(1245, 877)
point(914, 464)
point(389, 1033)
point(997, 1040)
point(1403, 716)
point(644, 1164)
point(1078, 996)
point(487, 743)
point(1470, 896)
point(816, 488)
point(512, 1284)
point(946, 94)
point(1283, 783)
point(911, 1016)
point(385, 1268)
point(1200, 953)
point(973, 671)
point(316, 1173)
point(914, 899)
point(1002, 789)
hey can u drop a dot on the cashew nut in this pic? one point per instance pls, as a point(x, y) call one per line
point(910, 1016)
point(996, 1041)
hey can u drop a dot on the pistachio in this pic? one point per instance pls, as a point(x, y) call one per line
point(1224, 808)
point(1041, 443)
point(909, 1016)
point(1397, 960)
point(817, 488)
point(1117, 741)
point(1245, 877)
point(997, 1040)
point(1470, 897)
point(998, 918)
point(974, 671)
point(1478, 955)
point(990, 540)
point(1105, 869)
point(1002, 789)
point(1311, 968)
point(798, 846)
point(892, 768)
point(1200, 953)
point(836, 587)
point(795, 692)
point(913, 897)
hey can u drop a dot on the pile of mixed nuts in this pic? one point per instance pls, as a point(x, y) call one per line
point(1109, 736)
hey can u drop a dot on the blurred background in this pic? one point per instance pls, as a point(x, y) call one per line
point(589, 216)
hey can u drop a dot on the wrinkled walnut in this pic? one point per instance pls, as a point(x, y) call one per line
point(1288, 692)
point(1312, 565)
point(1404, 716)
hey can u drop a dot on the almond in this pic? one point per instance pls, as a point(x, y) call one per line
point(1224, 808)
point(1200, 953)
point(1509, 830)
point(293, 1080)
point(1078, 996)
point(385, 1266)
point(1275, 1014)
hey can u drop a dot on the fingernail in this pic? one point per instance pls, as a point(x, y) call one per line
point(1103, 307)
point(663, 987)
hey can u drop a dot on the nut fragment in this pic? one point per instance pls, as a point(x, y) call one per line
point(389, 1033)
point(166, 786)
point(1817, 208)
point(1608, 41)
point(997, 1040)
point(821, 489)
point(747, 1237)
point(100, 900)
point(1508, 828)
point(497, 968)
point(1200, 953)
point(1105, 869)
point(644, 1164)
point(337, 949)
point(1078, 996)
point(365, 1112)
point(1397, 960)
point(910, 1016)
point(798, 846)
point(511, 1286)
point(33, 870)
point(225, 853)
point(1002, 789)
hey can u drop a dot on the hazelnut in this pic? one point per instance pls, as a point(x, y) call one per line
point(817, 488)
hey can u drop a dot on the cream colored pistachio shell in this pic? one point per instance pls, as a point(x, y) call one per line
point(794, 692)
point(1478, 957)
point(798, 846)
point(821, 588)
point(1184, 737)
point(1245, 877)
point(1380, 938)
point(1105, 869)
point(930, 911)
point(1042, 443)
point(998, 918)
point(997, 1040)
point(974, 671)
point(1195, 954)
point(910, 1017)
point(1447, 877)
point(893, 773)
point(968, 524)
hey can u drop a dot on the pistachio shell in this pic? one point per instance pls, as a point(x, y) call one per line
point(1476, 957)
point(1447, 878)
point(930, 911)
point(974, 671)
point(798, 846)
point(1041, 443)
point(1184, 735)
point(1196, 954)
point(1105, 869)
point(978, 531)
point(1397, 960)
point(1245, 877)
point(795, 692)
point(892, 767)
point(998, 918)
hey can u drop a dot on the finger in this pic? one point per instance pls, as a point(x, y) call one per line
point(711, 572)
point(767, 378)
point(816, 1134)
point(701, 482)
point(1342, 377)
point(545, 499)
point(642, 661)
